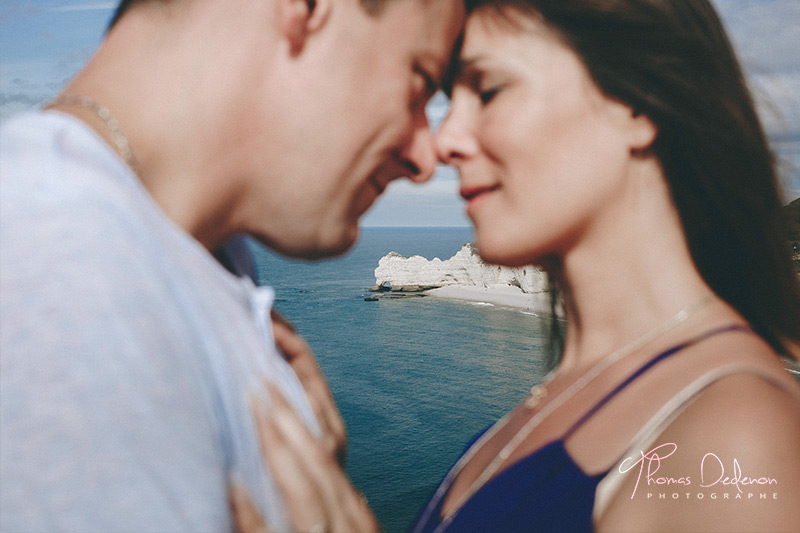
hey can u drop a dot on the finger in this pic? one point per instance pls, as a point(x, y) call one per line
point(279, 318)
point(323, 405)
point(286, 465)
point(291, 345)
point(318, 462)
point(290, 428)
point(345, 508)
point(299, 355)
point(246, 517)
point(301, 358)
point(295, 350)
point(341, 501)
point(334, 432)
point(288, 340)
point(360, 515)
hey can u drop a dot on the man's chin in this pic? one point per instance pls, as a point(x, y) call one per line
point(329, 246)
point(322, 246)
point(329, 252)
point(346, 244)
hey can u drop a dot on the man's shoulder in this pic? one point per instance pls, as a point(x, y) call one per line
point(54, 165)
point(67, 198)
point(35, 138)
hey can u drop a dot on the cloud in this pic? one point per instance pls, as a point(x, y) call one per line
point(97, 6)
point(72, 60)
point(11, 104)
point(23, 99)
point(26, 85)
point(778, 102)
point(11, 11)
point(766, 35)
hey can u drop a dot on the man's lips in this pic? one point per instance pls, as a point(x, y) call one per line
point(468, 193)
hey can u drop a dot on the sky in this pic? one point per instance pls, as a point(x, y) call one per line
point(45, 42)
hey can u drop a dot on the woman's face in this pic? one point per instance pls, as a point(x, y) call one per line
point(540, 151)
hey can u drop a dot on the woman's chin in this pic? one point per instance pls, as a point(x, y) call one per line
point(495, 254)
point(497, 249)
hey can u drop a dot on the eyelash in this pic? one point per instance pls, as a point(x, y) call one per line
point(488, 96)
point(430, 86)
point(485, 90)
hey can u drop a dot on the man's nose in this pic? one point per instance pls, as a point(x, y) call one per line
point(420, 153)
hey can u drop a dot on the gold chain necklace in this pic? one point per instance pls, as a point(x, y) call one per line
point(534, 397)
point(119, 138)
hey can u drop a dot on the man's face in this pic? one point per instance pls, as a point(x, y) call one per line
point(358, 118)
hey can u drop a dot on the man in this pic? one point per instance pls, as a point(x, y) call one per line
point(127, 351)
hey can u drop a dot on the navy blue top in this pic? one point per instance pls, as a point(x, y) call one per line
point(546, 490)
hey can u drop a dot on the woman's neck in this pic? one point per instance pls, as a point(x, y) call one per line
point(628, 274)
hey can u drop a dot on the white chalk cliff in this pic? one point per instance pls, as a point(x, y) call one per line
point(396, 272)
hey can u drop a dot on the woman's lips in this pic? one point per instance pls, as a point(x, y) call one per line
point(470, 193)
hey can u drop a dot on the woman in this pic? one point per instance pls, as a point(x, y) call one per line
point(614, 143)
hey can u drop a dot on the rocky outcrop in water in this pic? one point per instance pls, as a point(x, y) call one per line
point(396, 272)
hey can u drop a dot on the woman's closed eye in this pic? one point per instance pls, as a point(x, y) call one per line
point(485, 86)
point(487, 95)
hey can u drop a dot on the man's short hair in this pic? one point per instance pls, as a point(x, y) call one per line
point(373, 7)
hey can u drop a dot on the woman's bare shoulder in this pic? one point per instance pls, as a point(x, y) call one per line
point(728, 461)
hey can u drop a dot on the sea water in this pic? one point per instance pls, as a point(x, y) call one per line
point(414, 377)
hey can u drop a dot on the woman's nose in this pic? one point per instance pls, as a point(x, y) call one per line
point(454, 142)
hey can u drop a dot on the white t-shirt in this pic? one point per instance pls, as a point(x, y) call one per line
point(126, 350)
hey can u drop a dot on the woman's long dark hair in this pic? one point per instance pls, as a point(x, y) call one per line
point(122, 8)
point(672, 61)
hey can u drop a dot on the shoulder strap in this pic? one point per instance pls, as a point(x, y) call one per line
point(647, 435)
point(647, 366)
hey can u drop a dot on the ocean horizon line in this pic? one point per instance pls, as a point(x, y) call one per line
point(415, 227)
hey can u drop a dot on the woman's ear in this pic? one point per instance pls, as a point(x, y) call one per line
point(301, 18)
point(637, 130)
point(642, 131)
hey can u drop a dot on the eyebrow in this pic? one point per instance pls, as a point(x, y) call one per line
point(462, 71)
point(472, 64)
point(452, 66)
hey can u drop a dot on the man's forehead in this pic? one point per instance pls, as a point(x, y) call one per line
point(424, 31)
point(441, 25)
point(436, 16)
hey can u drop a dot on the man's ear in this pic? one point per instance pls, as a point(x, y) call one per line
point(301, 18)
